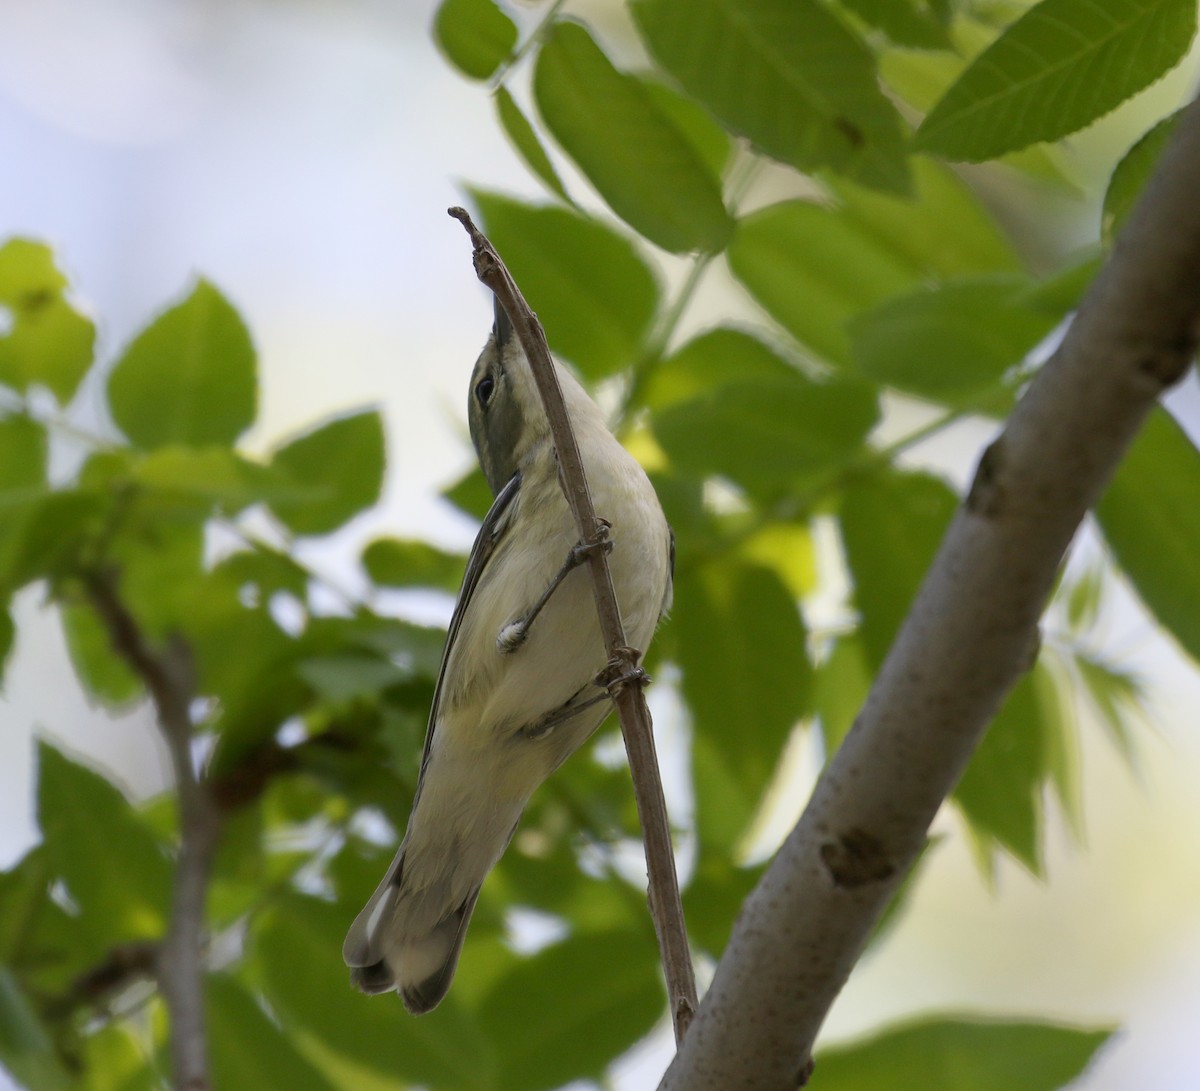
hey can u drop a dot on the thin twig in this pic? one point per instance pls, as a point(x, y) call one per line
point(166, 675)
point(665, 905)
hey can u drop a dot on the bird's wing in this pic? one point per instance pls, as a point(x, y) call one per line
point(495, 524)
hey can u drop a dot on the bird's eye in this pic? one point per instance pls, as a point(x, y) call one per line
point(484, 388)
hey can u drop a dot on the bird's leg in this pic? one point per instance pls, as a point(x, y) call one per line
point(610, 680)
point(513, 634)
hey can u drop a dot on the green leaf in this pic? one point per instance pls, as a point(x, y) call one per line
point(717, 358)
point(248, 1049)
point(296, 948)
point(916, 24)
point(944, 1054)
point(951, 343)
point(103, 673)
point(642, 165)
point(768, 433)
point(571, 1009)
point(742, 647)
point(787, 75)
point(8, 637)
point(1117, 697)
point(1058, 68)
point(1000, 793)
point(842, 682)
point(943, 228)
point(40, 536)
point(470, 494)
point(24, 451)
point(592, 290)
point(525, 139)
point(49, 344)
point(713, 899)
point(1131, 175)
point(814, 268)
point(190, 377)
point(476, 36)
point(710, 141)
point(342, 462)
point(93, 834)
point(892, 524)
point(26, 1049)
point(203, 478)
point(1151, 521)
point(341, 678)
point(397, 563)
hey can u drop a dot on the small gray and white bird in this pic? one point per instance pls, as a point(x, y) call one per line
point(516, 695)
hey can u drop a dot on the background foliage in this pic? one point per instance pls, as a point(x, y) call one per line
point(882, 276)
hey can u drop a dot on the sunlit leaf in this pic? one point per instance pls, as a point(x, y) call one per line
point(813, 268)
point(476, 35)
point(44, 341)
point(396, 562)
point(342, 464)
point(189, 377)
point(1060, 66)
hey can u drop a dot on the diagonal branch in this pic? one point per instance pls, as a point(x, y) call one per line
point(665, 905)
point(166, 675)
point(971, 632)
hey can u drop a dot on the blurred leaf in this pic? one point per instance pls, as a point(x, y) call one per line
point(742, 648)
point(248, 1050)
point(1151, 521)
point(394, 562)
point(297, 951)
point(26, 1050)
point(47, 343)
point(1060, 66)
point(785, 73)
point(716, 358)
point(952, 1055)
point(713, 899)
point(813, 268)
point(470, 494)
point(342, 462)
point(103, 673)
point(1131, 175)
point(345, 677)
point(1116, 695)
point(649, 173)
point(263, 571)
point(23, 454)
point(92, 834)
point(951, 343)
point(892, 524)
point(201, 478)
point(8, 636)
point(1084, 596)
point(842, 682)
point(568, 1011)
point(525, 139)
point(709, 140)
point(40, 536)
point(1000, 793)
point(916, 24)
point(115, 1059)
point(943, 228)
point(190, 377)
point(593, 292)
point(476, 35)
point(765, 434)
point(1060, 293)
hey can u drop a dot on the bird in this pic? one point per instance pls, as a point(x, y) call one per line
point(517, 691)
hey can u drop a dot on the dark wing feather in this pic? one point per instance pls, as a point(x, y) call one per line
point(495, 523)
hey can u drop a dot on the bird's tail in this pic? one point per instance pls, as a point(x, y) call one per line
point(385, 951)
